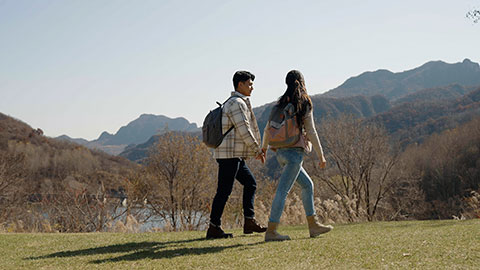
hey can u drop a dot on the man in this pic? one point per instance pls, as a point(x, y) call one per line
point(241, 143)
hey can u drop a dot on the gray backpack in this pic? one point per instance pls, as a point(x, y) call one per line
point(212, 127)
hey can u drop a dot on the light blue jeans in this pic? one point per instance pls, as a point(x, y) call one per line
point(292, 159)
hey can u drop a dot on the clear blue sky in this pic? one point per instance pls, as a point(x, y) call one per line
point(83, 67)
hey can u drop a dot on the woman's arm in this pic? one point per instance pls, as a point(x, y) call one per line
point(265, 139)
point(312, 134)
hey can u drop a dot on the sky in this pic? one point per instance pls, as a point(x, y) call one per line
point(83, 67)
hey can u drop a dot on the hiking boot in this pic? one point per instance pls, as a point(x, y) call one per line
point(315, 228)
point(273, 235)
point(215, 232)
point(251, 226)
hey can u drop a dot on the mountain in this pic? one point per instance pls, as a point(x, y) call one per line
point(396, 85)
point(137, 131)
point(144, 127)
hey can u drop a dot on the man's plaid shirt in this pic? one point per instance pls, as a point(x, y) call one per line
point(244, 140)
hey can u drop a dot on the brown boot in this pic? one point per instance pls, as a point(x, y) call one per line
point(273, 235)
point(215, 232)
point(251, 226)
point(317, 228)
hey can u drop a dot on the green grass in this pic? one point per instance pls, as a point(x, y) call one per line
point(445, 244)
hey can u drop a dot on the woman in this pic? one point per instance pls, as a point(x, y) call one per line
point(291, 158)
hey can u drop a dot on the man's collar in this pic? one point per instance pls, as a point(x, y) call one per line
point(236, 93)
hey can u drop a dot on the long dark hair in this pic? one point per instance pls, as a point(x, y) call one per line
point(296, 94)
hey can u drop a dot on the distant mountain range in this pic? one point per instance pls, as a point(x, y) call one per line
point(396, 85)
point(381, 95)
point(138, 131)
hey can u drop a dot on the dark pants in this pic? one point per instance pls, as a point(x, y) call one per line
point(228, 170)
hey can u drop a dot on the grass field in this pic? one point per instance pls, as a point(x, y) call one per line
point(445, 244)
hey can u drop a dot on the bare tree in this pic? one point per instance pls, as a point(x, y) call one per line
point(11, 179)
point(361, 161)
point(446, 168)
point(183, 173)
point(76, 211)
point(82, 207)
point(474, 15)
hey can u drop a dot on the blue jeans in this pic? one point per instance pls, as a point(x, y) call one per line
point(291, 159)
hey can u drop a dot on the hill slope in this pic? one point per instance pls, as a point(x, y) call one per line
point(52, 165)
point(439, 93)
point(413, 121)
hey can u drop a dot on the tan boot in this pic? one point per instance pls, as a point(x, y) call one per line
point(273, 235)
point(317, 228)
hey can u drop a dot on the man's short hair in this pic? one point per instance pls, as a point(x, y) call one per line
point(242, 76)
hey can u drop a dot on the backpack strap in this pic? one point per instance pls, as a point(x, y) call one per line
point(228, 99)
point(230, 129)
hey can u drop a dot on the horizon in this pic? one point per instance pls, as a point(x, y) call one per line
point(83, 68)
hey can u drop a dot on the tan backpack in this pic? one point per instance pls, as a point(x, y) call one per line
point(283, 130)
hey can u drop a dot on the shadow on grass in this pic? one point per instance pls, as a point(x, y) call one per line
point(142, 250)
point(155, 253)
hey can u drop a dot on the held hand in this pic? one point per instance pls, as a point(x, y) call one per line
point(264, 152)
point(322, 164)
point(261, 157)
